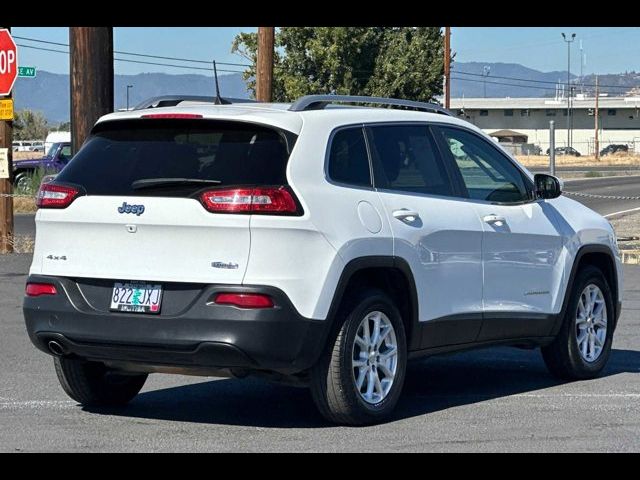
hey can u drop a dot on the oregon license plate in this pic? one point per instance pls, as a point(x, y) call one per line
point(136, 297)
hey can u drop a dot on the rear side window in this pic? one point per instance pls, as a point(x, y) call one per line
point(408, 160)
point(117, 154)
point(348, 159)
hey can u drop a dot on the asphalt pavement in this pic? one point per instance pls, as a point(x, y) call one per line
point(499, 399)
point(627, 186)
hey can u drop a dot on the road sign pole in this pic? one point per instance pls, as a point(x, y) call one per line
point(6, 186)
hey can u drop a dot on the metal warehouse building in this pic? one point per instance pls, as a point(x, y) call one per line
point(513, 120)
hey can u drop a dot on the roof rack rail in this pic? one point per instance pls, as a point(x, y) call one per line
point(173, 100)
point(319, 102)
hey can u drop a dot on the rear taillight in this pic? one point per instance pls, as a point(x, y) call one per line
point(244, 300)
point(51, 195)
point(37, 289)
point(275, 200)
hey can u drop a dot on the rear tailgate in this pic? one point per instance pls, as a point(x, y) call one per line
point(175, 239)
point(117, 229)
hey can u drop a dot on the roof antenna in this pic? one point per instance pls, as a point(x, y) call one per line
point(218, 100)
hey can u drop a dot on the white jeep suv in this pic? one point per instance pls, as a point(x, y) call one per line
point(311, 243)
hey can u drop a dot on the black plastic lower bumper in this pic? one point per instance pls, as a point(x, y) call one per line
point(191, 331)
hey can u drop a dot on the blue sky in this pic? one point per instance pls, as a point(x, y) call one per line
point(608, 50)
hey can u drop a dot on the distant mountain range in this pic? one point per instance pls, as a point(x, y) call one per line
point(49, 92)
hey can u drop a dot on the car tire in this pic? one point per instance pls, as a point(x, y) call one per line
point(94, 384)
point(339, 395)
point(569, 358)
point(22, 182)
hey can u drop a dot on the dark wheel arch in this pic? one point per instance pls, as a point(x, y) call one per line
point(370, 271)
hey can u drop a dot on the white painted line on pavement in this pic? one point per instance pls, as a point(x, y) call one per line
point(621, 212)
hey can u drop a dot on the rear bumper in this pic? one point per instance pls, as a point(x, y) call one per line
point(195, 334)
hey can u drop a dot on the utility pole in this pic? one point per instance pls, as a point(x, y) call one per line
point(486, 70)
point(573, 37)
point(91, 79)
point(597, 114)
point(128, 87)
point(264, 64)
point(6, 187)
point(447, 67)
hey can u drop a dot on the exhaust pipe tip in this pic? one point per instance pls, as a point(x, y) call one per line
point(55, 348)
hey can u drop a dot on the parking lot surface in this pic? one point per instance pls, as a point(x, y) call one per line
point(499, 399)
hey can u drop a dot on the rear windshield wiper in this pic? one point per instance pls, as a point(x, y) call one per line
point(168, 182)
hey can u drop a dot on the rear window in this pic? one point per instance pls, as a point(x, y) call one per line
point(117, 154)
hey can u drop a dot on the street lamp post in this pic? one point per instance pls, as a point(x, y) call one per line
point(569, 40)
point(485, 73)
point(128, 87)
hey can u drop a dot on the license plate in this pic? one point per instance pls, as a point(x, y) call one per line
point(136, 297)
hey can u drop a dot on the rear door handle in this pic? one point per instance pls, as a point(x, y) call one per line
point(497, 219)
point(406, 215)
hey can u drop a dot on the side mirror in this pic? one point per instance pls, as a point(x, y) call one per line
point(547, 186)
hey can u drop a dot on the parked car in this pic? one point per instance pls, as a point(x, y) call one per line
point(614, 148)
point(56, 137)
point(566, 151)
point(321, 247)
point(27, 146)
point(57, 157)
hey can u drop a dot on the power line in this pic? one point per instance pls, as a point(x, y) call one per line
point(208, 62)
point(188, 67)
point(503, 83)
point(535, 81)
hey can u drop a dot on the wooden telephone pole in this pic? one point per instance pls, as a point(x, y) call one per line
point(597, 121)
point(91, 79)
point(264, 64)
point(6, 187)
point(447, 67)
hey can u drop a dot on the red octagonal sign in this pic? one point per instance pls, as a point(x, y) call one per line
point(8, 62)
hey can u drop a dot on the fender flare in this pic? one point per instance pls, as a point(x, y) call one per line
point(586, 249)
point(377, 261)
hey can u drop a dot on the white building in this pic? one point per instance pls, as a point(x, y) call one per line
point(619, 119)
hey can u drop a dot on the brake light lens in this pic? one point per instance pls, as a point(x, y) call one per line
point(51, 195)
point(172, 116)
point(244, 300)
point(276, 200)
point(37, 289)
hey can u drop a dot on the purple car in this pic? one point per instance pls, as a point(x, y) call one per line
point(56, 158)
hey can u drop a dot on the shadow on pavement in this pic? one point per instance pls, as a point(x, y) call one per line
point(431, 385)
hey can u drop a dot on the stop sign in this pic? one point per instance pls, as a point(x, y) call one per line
point(8, 62)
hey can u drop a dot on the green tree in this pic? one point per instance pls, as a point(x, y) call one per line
point(30, 125)
point(404, 62)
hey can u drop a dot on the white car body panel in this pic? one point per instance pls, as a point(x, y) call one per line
point(305, 256)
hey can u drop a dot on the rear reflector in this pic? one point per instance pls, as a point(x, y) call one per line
point(37, 289)
point(276, 200)
point(172, 115)
point(51, 195)
point(244, 300)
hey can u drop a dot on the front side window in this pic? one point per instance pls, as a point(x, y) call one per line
point(487, 174)
point(407, 160)
point(348, 159)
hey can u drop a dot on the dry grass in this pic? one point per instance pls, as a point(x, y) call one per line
point(23, 155)
point(22, 243)
point(24, 205)
point(632, 161)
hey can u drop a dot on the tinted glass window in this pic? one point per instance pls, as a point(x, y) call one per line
point(408, 160)
point(119, 153)
point(486, 173)
point(348, 159)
